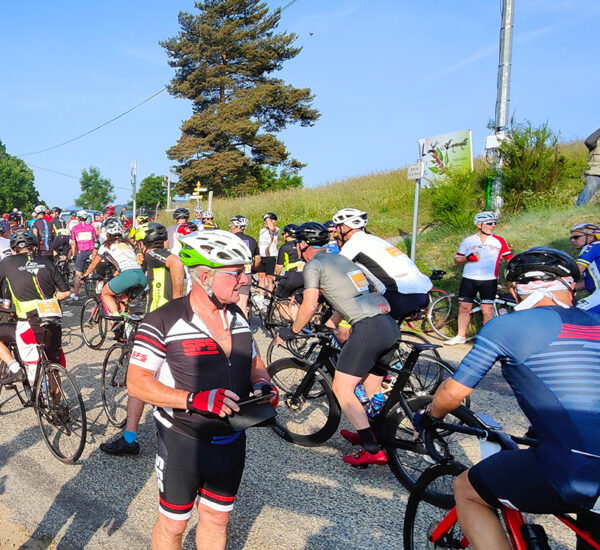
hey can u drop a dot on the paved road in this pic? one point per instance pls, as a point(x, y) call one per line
point(292, 498)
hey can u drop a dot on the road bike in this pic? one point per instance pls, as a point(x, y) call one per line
point(114, 373)
point(443, 314)
point(418, 320)
point(55, 397)
point(308, 412)
point(430, 520)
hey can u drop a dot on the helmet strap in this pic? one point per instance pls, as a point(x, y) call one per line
point(208, 289)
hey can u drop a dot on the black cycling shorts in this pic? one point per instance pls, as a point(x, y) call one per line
point(289, 284)
point(49, 335)
point(267, 265)
point(370, 340)
point(470, 287)
point(402, 305)
point(187, 468)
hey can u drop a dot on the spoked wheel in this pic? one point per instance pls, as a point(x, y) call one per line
point(92, 324)
point(61, 413)
point(419, 320)
point(298, 348)
point(443, 317)
point(114, 384)
point(422, 516)
point(310, 418)
point(408, 458)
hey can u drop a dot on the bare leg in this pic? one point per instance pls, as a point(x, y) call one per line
point(77, 282)
point(372, 385)
point(478, 521)
point(464, 316)
point(270, 282)
point(135, 408)
point(488, 312)
point(211, 532)
point(167, 533)
point(5, 354)
point(343, 387)
point(109, 300)
point(261, 283)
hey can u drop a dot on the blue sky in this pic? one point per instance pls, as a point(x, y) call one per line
point(384, 75)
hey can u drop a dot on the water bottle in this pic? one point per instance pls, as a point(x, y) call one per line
point(376, 405)
point(360, 392)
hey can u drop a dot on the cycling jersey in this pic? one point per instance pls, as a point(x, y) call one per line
point(72, 223)
point(332, 247)
point(252, 245)
point(491, 250)
point(121, 255)
point(550, 358)
point(267, 242)
point(56, 224)
point(344, 286)
point(589, 257)
point(386, 267)
point(84, 236)
point(288, 257)
point(4, 248)
point(44, 235)
point(176, 344)
point(159, 278)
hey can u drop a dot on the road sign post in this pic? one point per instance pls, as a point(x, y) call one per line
point(415, 172)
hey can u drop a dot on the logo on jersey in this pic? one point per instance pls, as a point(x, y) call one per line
point(141, 357)
point(199, 346)
point(359, 280)
point(32, 267)
point(393, 251)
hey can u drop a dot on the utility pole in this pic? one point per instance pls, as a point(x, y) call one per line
point(502, 100)
point(167, 183)
point(133, 190)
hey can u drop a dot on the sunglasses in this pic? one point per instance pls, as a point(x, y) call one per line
point(236, 274)
point(490, 223)
point(575, 237)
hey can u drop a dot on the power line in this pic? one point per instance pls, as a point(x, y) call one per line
point(70, 176)
point(288, 5)
point(94, 129)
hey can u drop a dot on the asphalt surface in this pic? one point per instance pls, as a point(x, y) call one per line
point(291, 497)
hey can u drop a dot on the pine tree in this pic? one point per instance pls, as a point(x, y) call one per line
point(224, 59)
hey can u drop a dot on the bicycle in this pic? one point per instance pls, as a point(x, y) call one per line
point(56, 399)
point(432, 522)
point(443, 314)
point(308, 412)
point(418, 320)
point(114, 373)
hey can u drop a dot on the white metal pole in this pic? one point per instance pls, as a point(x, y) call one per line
point(210, 199)
point(133, 190)
point(169, 192)
point(415, 227)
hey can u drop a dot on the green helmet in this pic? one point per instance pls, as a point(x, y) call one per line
point(217, 248)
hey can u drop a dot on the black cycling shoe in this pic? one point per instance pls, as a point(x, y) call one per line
point(120, 447)
point(12, 377)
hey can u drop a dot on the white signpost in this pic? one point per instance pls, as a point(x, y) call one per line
point(415, 172)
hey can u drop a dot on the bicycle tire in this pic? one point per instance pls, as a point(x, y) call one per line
point(92, 323)
point(410, 461)
point(63, 424)
point(312, 419)
point(113, 384)
point(443, 318)
point(422, 516)
point(421, 322)
point(408, 336)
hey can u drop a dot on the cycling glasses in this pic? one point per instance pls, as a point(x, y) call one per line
point(575, 237)
point(236, 274)
point(490, 223)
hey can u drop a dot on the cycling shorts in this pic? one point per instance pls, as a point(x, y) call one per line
point(515, 479)
point(49, 335)
point(80, 260)
point(370, 340)
point(590, 303)
point(127, 279)
point(267, 265)
point(402, 305)
point(470, 287)
point(289, 284)
point(187, 468)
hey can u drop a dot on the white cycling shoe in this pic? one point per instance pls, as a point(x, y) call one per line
point(456, 340)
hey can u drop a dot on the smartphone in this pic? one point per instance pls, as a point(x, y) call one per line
point(256, 399)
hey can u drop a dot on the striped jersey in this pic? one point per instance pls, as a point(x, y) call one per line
point(590, 258)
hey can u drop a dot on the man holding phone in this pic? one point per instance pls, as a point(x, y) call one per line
point(194, 359)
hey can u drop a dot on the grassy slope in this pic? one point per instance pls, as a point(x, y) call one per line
point(389, 196)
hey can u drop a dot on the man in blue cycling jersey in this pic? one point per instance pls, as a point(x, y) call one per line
point(549, 355)
point(584, 237)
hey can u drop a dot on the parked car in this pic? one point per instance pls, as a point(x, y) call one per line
point(66, 214)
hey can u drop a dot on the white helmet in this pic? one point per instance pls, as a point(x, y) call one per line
point(208, 214)
point(82, 215)
point(39, 209)
point(353, 218)
point(198, 210)
point(112, 226)
point(485, 217)
point(216, 248)
point(239, 221)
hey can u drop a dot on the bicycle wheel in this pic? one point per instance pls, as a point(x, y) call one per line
point(299, 348)
point(61, 413)
point(308, 419)
point(443, 317)
point(421, 516)
point(92, 324)
point(278, 315)
point(408, 458)
point(419, 321)
point(114, 384)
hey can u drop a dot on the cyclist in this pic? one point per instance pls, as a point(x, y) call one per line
point(373, 333)
point(14, 223)
point(139, 221)
point(480, 254)
point(287, 256)
point(584, 237)
point(180, 215)
point(237, 225)
point(194, 358)
point(56, 223)
point(83, 239)
point(548, 353)
point(73, 221)
point(267, 246)
point(34, 285)
point(289, 266)
point(109, 212)
point(97, 222)
point(198, 211)
point(392, 272)
point(42, 230)
point(165, 278)
point(332, 246)
point(208, 219)
point(119, 252)
point(4, 244)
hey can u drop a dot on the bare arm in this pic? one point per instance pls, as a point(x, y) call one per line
point(310, 301)
point(62, 295)
point(177, 273)
point(448, 396)
point(93, 265)
point(581, 284)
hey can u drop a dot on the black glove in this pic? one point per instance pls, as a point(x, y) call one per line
point(422, 420)
point(287, 334)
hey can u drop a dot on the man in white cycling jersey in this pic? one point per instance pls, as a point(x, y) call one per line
point(480, 254)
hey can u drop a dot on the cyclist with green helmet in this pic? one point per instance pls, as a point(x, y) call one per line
point(584, 237)
point(194, 358)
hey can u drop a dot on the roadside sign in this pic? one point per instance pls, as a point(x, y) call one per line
point(415, 171)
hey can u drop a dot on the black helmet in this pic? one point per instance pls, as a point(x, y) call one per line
point(329, 223)
point(313, 234)
point(23, 239)
point(155, 234)
point(291, 229)
point(14, 217)
point(192, 226)
point(542, 263)
point(181, 214)
point(271, 215)
point(56, 209)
